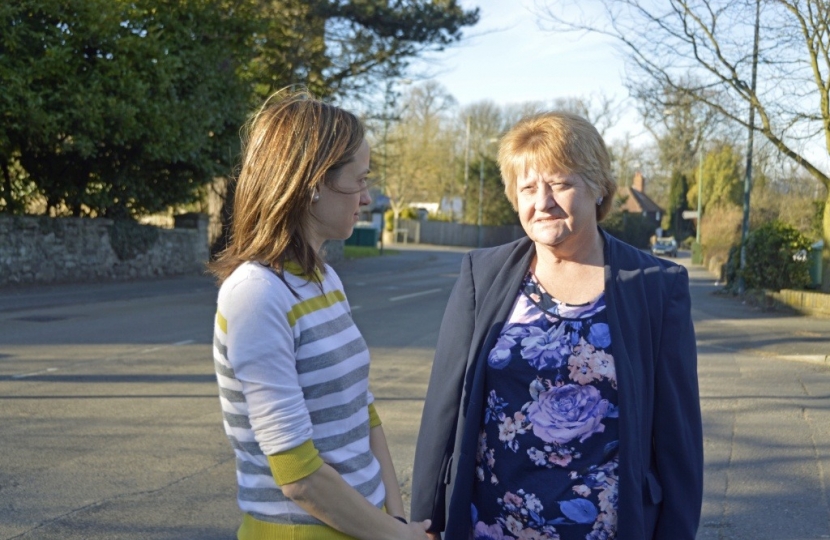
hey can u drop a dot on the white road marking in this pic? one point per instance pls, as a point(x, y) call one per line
point(413, 295)
point(143, 351)
point(34, 373)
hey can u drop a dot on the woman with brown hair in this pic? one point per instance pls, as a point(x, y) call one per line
point(563, 401)
point(311, 457)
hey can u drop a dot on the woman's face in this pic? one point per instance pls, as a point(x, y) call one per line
point(556, 209)
point(335, 213)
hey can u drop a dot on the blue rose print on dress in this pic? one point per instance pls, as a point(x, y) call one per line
point(564, 413)
point(599, 335)
point(501, 355)
point(553, 410)
point(546, 349)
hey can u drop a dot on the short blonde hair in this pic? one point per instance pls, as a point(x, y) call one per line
point(557, 142)
point(292, 144)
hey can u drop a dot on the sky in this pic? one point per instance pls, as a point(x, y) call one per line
point(508, 58)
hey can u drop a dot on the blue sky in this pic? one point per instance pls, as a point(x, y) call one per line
point(509, 59)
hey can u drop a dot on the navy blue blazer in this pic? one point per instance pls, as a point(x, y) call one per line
point(661, 439)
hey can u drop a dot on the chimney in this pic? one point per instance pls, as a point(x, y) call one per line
point(639, 182)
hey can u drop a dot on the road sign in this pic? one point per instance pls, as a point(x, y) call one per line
point(689, 214)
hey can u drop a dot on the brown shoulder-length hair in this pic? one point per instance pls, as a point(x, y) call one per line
point(557, 141)
point(290, 145)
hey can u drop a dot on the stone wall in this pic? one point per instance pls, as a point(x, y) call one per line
point(39, 249)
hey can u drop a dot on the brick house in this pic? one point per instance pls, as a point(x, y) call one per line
point(637, 202)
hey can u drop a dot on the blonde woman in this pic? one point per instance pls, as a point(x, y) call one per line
point(311, 457)
point(563, 402)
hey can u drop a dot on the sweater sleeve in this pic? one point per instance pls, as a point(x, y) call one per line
point(677, 420)
point(260, 343)
point(295, 464)
point(443, 400)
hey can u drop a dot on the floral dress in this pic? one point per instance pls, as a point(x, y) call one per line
point(546, 464)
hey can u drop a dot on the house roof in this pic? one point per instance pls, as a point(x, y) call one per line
point(639, 202)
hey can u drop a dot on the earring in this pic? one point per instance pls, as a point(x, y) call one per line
point(599, 201)
point(315, 197)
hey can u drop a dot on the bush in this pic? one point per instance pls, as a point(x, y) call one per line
point(130, 239)
point(771, 258)
point(409, 213)
point(389, 220)
point(634, 229)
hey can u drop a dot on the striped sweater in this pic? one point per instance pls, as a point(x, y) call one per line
point(293, 382)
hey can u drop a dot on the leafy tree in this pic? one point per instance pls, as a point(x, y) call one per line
point(495, 208)
point(120, 108)
point(342, 48)
point(678, 226)
point(722, 178)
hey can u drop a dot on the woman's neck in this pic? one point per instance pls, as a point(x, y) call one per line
point(587, 250)
point(574, 277)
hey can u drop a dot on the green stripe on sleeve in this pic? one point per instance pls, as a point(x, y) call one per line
point(315, 304)
point(374, 417)
point(222, 322)
point(295, 464)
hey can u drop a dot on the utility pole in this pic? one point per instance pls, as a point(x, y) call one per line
point(748, 177)
point(466, 170)
point(480, 200)
point(699, 196)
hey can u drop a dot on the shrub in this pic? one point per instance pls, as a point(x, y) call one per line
point(409, 213)
point(634, 229)
point(772, 261)
point(389, 220)
point(130, 239)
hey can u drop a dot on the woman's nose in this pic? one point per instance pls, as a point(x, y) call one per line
point(544, 198)
point(365, 198)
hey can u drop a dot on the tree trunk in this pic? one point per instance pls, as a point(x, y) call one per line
point(222, 240)
point(825, 255)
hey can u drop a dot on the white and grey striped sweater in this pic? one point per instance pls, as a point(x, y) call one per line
point(292, 369)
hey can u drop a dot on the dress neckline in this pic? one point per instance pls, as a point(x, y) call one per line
point(547, 303)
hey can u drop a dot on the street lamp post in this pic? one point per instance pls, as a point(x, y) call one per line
point(748, 175)
point(699, 196)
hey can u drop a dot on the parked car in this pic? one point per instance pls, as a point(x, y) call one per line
point(665, 246)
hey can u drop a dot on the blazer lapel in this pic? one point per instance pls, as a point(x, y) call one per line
point(495, 308)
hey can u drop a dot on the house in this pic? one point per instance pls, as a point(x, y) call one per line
point(637, 202)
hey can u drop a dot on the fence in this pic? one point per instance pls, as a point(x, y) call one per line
point(443, 233)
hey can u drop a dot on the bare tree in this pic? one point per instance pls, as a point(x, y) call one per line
point(703, 49)
point(421, 147)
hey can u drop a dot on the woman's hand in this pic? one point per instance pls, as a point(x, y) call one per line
point(418, 530)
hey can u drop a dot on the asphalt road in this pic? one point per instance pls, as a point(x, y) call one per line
point(111, 426)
